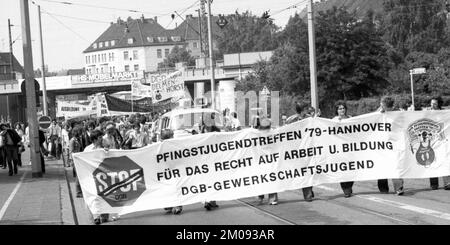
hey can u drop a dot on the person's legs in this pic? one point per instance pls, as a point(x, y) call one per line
point(261, 199)
point(273, 198)
point(383, 185)
point(308, 193)
point(434, 183)
point(15, 157)
point(347, 188)
point(177, 209)
point(42, 163)
point(398, 186)
point(446, 180)
point(9, 160)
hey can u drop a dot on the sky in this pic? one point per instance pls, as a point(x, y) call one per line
point(66, 38)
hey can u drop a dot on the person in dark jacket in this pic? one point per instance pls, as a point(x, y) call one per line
point(11, 147)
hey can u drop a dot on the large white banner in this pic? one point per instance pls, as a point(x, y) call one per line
point(232, 165)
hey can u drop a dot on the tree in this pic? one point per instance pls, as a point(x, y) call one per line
point(179, 54)
point(351, 56)
point(415, 25)
point(247, 33)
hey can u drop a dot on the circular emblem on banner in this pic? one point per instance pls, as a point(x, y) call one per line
point(119, 181)
point(424, 134)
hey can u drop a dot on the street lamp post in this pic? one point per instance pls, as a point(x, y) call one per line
point(411, 73)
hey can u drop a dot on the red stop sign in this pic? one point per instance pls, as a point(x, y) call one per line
point(44, 122)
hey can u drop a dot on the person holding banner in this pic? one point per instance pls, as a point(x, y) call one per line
point(387, 104)
point(435, 104)
point(74, 147)
point(96, 137)
point(265, 124)
point(303, 111)
point(341, 114)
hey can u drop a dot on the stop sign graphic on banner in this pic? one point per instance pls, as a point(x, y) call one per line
point(119, 181)
point(44, 122)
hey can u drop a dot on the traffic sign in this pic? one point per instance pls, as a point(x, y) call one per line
point(44, 122)
point(418, 71)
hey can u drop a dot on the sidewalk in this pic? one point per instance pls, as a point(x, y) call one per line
point(31, 201)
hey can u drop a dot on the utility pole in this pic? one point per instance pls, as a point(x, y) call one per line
point(312, 57)
point(211, 60)
point(10, 63)
point(200, 29)
point(31, 95)
point(44, 89)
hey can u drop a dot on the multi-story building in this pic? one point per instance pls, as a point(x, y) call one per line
point(140, 45)
point(9, 104)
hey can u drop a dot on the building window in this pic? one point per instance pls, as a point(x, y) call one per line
point(176, 39)
point(114, 69)
point(100, 44)
point(162, 39)
point(110, 69)
point(127, 68)
point(107, 44)
point(136, 67)
point(125, 55)
point(87, 60)
point(103, 57)
point(94, 45)
point(97, 70)
point(135, 55)
point(109, 57)
point(195, 45)
point(101, 69)
point(98, 58)
point(150, 39)
point(112, 56)
point(159, 53)
point(166, 52)
point(130, 40)
point(94, 58)
point(113, 42)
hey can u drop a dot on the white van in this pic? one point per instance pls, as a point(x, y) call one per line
point(184, 122)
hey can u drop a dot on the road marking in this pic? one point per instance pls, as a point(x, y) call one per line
point(13, 193)
point(416, 209)
point(396, 204)
point(326, 188)
point(266, 213)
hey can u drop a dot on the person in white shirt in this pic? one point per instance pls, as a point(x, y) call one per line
point(341, 114)
point(138, 138)
point(235, 124)
point(65, 144)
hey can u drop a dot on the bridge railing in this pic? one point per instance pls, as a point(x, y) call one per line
point(198, 72)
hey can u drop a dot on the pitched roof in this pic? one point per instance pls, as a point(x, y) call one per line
point(4, 60)
point(140, 29)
